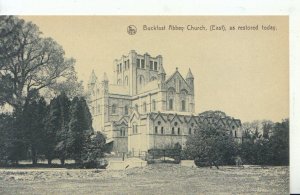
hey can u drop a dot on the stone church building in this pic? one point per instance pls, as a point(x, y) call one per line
point(142, 108)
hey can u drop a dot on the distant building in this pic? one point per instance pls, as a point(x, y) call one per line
point(140, 108)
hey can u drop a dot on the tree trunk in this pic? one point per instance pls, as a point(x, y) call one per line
point(34, 158)
point(49, 161)
point(215, 165)
point(62, 161)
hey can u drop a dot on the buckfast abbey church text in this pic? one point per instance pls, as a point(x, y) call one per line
point(142, 108)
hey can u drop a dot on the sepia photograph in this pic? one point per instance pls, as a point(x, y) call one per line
point(144, 104)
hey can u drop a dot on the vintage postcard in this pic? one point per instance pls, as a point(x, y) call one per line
point(144, 104)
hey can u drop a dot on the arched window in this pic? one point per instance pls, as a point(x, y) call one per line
point(170, 94)
point(155, 129)
point(136, 107)
point(145, 106)
point(126, 81)
point(162, 130)
point(178, 131)
point(119, 82)
point(126, 110)
point(183, 105)
point(183, 94)
point(114, 108)
point(122, 132)
point(173, 131)
point(134, 128)
point(141, 80)
point(190, 131)
point(170, 104)
point(235, 134)
point(153, 78)
point(153, 105)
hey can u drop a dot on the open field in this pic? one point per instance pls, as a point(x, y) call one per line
point(152, 179)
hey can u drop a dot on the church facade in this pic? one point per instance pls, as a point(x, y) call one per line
point(141, 108)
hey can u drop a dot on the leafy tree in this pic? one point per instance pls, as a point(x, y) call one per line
point(279, 143)
point(94, 148)
point(80, 128)
point(34, 112)
point(52, 125)
point(211, 146)
point(7, 122)
point(29, 62)
point(62, 131)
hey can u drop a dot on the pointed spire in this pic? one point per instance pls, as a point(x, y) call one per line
point(104, 77)
point(189, 74)
point(93, 77)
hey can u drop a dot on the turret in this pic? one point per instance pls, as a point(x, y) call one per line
point(190, 79)
point(92, 80)
point(104, 83)
point(162, 74)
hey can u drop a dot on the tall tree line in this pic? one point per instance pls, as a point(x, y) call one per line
point(61, 130)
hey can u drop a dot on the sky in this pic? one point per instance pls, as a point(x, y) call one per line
point(242, 73)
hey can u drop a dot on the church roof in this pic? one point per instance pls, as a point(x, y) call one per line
point(189, 74)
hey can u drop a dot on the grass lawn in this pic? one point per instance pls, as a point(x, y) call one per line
point(152, 179)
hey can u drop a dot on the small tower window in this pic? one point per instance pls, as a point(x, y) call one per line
point(178, 131)
point(162, 130)
point(173, 131)
point(136, 107)
point(158, 122)
point(155, 129)
point(190, 131)
point(155, 65)
point(138, 62)
point(143, 63)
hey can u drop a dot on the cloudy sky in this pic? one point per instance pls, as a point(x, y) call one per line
point(243, 73)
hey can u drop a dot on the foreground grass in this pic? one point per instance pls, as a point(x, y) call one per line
point(152, 179)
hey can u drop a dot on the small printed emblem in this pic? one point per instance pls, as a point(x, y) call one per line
point(131, 29)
